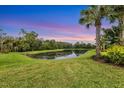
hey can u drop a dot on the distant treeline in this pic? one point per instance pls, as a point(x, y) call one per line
point(29, 41)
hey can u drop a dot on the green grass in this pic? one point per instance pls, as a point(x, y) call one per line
point(17, 70)
point(43, 51)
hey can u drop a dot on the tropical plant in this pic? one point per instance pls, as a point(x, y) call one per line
point(116, 13)
point(115, 54)
point(110, 36)
point(93, 16)
point(119, 10)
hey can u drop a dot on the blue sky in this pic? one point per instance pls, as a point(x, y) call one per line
point(50, 22)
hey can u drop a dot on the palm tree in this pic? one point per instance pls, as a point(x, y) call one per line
point(93, 16)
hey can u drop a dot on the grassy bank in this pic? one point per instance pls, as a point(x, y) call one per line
point(43, 51)
point(18, 70)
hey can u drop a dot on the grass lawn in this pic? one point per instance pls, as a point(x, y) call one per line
point(17, 70)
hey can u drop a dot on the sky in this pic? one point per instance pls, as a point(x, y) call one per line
point(59, 22)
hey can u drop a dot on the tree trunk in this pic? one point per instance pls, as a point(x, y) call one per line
point(0, 47)
point(121, 34)
point(123, 37)
point(98, 27)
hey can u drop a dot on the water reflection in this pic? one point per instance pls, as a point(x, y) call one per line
point(58, 55)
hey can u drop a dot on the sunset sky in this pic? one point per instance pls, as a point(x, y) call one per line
point(50, 22)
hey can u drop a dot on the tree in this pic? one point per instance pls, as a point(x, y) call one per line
point(2, 39)
point(110, 36)
point(77, 45)
point(119, 10)
point(93, 16)
point(117, 13)
point(8, 44)
point(28, 40)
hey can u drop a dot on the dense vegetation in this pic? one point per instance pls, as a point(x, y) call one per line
point(106, 38)
point(110, 37)
point(29, 41)
point(115, 54)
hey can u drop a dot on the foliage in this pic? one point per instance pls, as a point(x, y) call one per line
point(93, 17)
point(117, 13)
point(115, 54)
point(83, 45)
point(29, 41)
point(110, 36)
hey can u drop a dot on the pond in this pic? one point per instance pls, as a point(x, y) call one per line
point(58, 55)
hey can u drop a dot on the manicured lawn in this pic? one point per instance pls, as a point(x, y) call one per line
point(17, 70)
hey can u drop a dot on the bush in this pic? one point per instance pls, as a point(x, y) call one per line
point(115, 54)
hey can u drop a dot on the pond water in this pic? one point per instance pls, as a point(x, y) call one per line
point(58, 55)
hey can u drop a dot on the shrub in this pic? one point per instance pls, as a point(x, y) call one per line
point(115, 54)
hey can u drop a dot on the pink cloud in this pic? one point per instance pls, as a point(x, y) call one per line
point(74, 29)
point(61, 32)
point(77, 38)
